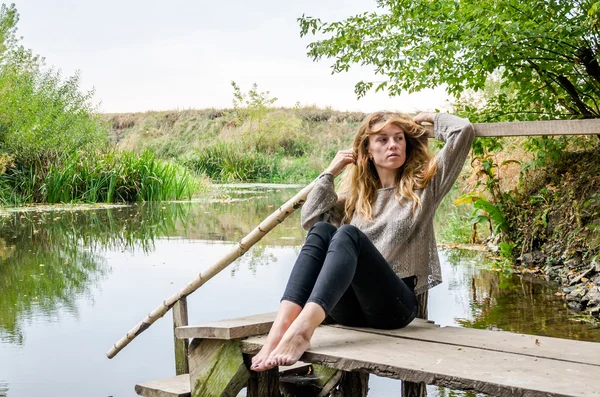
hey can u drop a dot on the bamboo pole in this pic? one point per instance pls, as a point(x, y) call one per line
point(243, 246)
point(528, 128)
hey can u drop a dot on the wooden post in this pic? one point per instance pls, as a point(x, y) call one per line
point(264, 384)
point(217, 368)
point(354, 384)
point(180, 319)
point(410, 389)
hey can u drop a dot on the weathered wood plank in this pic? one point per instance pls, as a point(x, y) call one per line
point(456, 367)
point(180, 319)
point(508, 342)
point(177, 386)
point(238, 328)
point(295, 369)
point(535, 128)
point(217, 368)
point(229, 329)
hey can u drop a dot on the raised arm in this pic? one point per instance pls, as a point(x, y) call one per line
point(458, 135)
point(322, 203)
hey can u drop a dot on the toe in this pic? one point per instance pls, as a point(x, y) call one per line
point(287, 361)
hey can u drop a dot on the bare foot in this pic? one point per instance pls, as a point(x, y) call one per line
point(287, 313)
point(292, 346)
point(259, 360)
point(296, 339)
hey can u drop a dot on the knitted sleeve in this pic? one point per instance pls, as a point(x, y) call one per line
point(458, 135)
point(322, 204)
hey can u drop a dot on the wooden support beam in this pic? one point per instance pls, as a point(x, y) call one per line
point(217, 368)
point(536, 128)
point(418, 389)
point(180, 319)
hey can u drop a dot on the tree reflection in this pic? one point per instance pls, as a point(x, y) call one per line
point(505, 301)
point(50, 258)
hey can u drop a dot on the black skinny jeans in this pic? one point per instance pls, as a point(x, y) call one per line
point(343, 272)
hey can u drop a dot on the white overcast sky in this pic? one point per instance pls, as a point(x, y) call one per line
point(181, 54)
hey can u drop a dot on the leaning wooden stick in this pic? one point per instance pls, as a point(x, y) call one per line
point(244, 245)
point(529, 128)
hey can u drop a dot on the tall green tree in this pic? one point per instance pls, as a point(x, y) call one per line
point(42, 115)
point(545, 52)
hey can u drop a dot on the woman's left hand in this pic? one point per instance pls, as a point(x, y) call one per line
point(427, 117)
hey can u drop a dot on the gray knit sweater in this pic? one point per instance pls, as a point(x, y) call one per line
point(406, 240)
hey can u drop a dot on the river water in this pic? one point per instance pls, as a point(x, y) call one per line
point(73, 282)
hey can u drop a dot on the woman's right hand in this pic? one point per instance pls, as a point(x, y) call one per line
point(340, 161)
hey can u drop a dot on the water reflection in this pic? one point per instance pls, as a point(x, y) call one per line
point(49, 259)
point(104, 269)
point(42, 272)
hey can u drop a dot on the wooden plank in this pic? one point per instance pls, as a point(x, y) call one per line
point(177, 386)
point(295, 369)
point(456, 367)
point(229, 329)
point(237, 328)
point(535, 128)
point(180, 319)
point(508, 342)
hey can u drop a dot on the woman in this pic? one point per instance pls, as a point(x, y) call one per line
point(367, 273)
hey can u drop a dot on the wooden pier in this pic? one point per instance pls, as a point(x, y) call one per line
point(492, 362)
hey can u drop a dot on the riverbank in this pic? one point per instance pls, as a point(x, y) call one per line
point(283, 146)
point(556, 227)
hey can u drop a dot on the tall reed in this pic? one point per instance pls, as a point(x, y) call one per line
point(116, 177)
point(98, 177)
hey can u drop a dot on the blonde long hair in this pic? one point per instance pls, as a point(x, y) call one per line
point(360, 181)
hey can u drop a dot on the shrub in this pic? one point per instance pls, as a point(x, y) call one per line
point(232, 162)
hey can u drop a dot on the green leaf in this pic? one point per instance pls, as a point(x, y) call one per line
point(469, 198)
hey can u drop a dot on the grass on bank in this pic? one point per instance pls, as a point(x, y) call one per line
point(286, 145)
point(99, 177)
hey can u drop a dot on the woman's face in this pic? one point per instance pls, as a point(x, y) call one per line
point(387, 147)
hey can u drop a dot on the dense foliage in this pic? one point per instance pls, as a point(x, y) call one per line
point(41, 114)
point(544, 51)
point(55, 148)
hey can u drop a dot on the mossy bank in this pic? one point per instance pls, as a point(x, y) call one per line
point(556, 226)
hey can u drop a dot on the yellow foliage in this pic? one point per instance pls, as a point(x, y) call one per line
point(6, 162)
